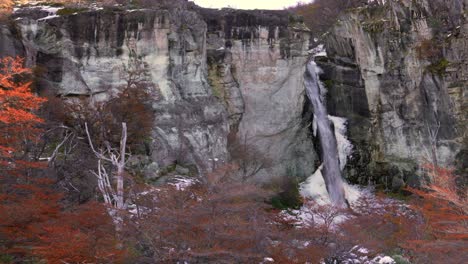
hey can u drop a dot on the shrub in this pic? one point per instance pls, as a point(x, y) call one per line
point(289, 197)
point(429, 49)
point(329, 83)
point(220, 221)
point(400, 259)
point(445, 212)
point(438, 67)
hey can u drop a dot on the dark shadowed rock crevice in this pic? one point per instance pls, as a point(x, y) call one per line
point(218, 78)
point(213, 75)
point(398, 73)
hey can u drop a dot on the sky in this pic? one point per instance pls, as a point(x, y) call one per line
point(247, 4)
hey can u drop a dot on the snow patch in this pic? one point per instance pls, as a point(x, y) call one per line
point(315, 189)
point(136, 10)
point(181, 183)
point(48, 17)
point(384, 260)
point(345, 148)
point(318, 51)
point(51, 11)
point(360, 255)
point(362, 201)
point(363, 250)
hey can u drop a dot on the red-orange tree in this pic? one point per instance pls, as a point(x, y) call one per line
point(445, 210)
point(23, 200)
point(5, 9)
point(32, 219)
point(18, 123)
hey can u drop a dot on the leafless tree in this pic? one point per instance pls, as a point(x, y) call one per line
point(432, 133)
point(222, 220)
point(249, 159)
point(112, 188)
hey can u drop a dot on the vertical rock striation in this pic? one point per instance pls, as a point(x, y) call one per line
point(399, 73)
point(211, 73)
point(257, 60)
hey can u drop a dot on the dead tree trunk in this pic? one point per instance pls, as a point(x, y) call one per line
point(112, 190)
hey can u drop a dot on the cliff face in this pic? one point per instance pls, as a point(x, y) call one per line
point(213, 75)
point(399, 73)
point(256, 68)
point(221, 79)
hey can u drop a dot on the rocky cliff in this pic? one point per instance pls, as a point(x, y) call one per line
point(399, 73)
point(256, 65)
point(214, 75)
point(221, 80)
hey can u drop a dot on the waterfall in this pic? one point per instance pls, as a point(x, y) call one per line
point(330, 168)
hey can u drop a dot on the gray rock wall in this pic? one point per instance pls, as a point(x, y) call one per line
point(88, 54)
point(250, 89)
point(257, 65)
point(399, 73)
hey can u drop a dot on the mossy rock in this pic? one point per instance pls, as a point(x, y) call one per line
point(385, 171)
point(374, 26)
point(168, 169)
point(67, 11)
point(51, 4)
point(216, 83)
point(184, 169)
point(439, 67)
point(329, 84)
point(113, 9)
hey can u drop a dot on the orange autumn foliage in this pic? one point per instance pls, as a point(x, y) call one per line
point(85, 235)
point(18, 123)
point(24, 207)
point(445, 211)
point(35, 224)
point(5, 6)
point(33, 220)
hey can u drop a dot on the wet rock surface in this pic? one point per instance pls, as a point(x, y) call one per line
point(398, 72)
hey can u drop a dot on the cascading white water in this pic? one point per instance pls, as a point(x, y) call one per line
point(330, 169)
